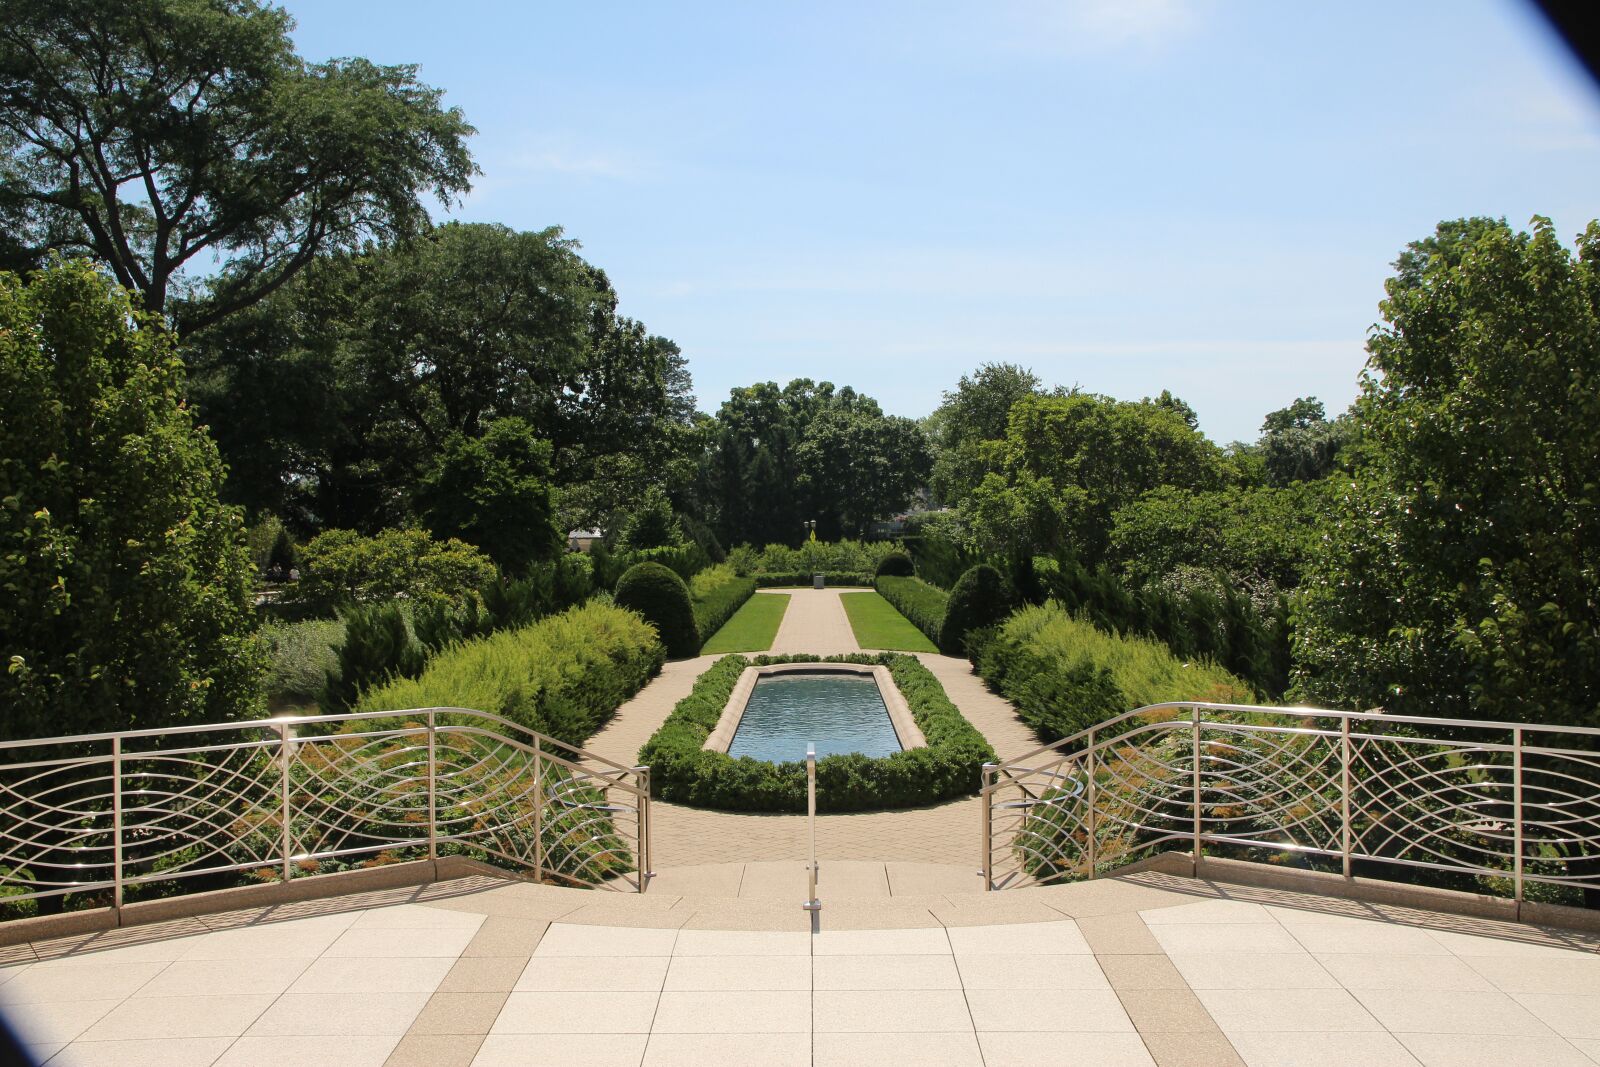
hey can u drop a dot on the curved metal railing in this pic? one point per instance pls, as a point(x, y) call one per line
point(105, 818)
point(1506, 809)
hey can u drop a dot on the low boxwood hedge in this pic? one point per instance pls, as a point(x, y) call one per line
point(918, 601)
point(717, 605)
point(831, 578)
point(683, 772)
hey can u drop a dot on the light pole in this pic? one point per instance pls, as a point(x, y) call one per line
point(811, 524)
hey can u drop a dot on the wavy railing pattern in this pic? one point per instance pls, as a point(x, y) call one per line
point(1506, 809)
point(109, 818)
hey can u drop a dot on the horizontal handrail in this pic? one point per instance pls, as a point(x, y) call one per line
point(1477, 802)
point(257, 796)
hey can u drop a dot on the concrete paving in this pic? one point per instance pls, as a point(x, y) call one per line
point(1145, 969)
point(944, 834)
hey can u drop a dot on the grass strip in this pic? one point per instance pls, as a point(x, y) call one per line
point(878, 625)
point(753, 627)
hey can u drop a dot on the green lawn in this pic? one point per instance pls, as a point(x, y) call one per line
point(878, 625)
point(752, 627)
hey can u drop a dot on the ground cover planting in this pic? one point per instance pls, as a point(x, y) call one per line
point(878, 625)
point(753, 627)
point(684, 772)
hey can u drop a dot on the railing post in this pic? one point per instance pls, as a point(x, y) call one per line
point(538, 811)
point(1196, 774)
point(433, 790)
point(812, 903)
point(1093, 799)
point(1345, 836)
point(1516, 814)
point(285, 812)
point(116, 826)
point(646, 867)
point(986, 786)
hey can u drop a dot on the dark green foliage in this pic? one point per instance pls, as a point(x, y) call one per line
point(682, 772)
point(1299, 444)
point(341, 568)
point(652, 524)
point(162, 133)
point(1207, 620)
point(717, 606)
point(918, 601)
point(125, 586)
point(896, 565)
point(1458, 567)
point(377, 646)
point(662, 598)
point(831, 579)
point(493, 491)
point(981, 598)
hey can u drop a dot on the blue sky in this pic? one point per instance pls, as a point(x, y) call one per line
point(1127, 196)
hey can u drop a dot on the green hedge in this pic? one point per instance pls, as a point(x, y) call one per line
point(918, 601)
point(715, 607)
point(980, 598)
point(565, 675)
point(831, 578)
point(682, 772)
point(1064, 674)
point(663, 599)
point(896, 565)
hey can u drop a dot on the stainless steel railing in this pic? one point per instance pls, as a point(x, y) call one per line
point(1491, 807)
point(813, 871)
point(105, 818)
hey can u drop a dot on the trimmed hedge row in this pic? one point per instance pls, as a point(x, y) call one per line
point(564, 676)
point(918, 601)
point(1065, 674)
point(682, 772)
point(831, 578)
point(717, 606)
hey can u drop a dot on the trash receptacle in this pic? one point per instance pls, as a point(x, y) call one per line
point(816, 581)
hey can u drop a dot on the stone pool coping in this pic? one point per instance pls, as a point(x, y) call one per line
point(905, 724)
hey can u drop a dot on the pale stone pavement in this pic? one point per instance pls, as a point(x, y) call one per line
point(1142, 970)
point(945, 834)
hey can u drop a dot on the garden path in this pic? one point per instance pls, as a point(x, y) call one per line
point(816, 623)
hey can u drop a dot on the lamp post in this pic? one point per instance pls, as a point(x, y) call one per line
point(811, 524)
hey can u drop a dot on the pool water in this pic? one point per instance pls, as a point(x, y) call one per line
point(837, 712)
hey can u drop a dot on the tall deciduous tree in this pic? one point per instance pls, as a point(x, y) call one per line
point(1460, 571)
point(1068, 462)
point(158, 134)
point(974, 413)
point(127, 586)
point(493, 491)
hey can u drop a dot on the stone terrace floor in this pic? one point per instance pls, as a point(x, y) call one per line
point(1143, 969)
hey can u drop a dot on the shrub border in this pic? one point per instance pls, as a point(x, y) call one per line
point(785, 579)
point(683, 772)
point(914, 598)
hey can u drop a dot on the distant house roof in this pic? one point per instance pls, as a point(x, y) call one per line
point(585, 535)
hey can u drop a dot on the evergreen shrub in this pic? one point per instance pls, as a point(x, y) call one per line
point(980, 598)
point(925, 605)
point(565, 675)
point(683, 772)
point(896, 565)
point(662, 598)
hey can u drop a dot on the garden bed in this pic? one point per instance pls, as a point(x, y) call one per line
point(681, 770)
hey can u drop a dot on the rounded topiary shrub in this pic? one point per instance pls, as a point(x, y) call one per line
point(896, 565)
point(980, 598)
point(661, 597)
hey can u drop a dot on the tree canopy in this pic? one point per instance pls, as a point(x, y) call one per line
point(127, 586)
point(157, 135)
point(1460, 565)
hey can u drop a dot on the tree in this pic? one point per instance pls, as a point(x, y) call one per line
point(859, 466)
point(494, 492)
point(1460, 563)
point(333, 398)
point(974, 413)
point(1068, 462)
point(1299, 444)
point(341, 568)
point(127, 585)
point(161, 134)
point(652, 524)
